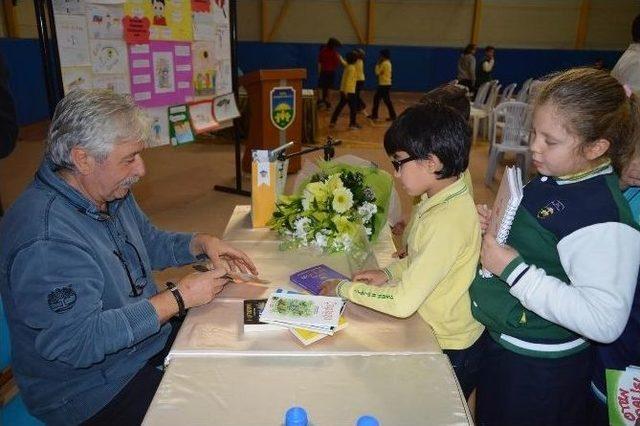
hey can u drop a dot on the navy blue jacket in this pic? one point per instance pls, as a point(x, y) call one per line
point(78, 334)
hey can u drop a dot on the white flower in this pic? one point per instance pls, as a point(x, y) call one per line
point(342, 200)
point(321, 240)
point(367, 210)
point(301, 225)
point(368, 231)
point(342, 243)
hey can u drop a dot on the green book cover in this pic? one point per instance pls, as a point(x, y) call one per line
point(180, 125)
point(623, 396)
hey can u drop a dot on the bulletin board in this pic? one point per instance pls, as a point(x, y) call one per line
point(165, 53)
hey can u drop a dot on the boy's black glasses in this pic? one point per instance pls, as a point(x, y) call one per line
point(138, 285)
point(398, 163)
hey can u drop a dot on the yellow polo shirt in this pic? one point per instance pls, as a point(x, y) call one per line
point(383, 71)
point(348, 82)
point(359, 70)
point(434, 278)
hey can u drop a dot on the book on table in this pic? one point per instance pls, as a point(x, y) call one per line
point(504, 207)
point(251, 316)
point(311, 279)
point(315, 313)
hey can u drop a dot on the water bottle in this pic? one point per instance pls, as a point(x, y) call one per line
point(296, 416)
point(367, 421)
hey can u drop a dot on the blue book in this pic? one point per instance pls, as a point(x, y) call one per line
point(311, 279)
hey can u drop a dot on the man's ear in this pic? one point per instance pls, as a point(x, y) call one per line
point(84, 162)
point(596, 149)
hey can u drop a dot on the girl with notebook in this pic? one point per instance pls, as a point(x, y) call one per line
point(563, 286)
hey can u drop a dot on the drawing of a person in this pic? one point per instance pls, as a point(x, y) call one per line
point(156, 129)
point(162, 74)
point(158, 12)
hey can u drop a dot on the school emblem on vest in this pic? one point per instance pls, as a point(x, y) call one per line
point(283, 106)
point(61, 299)
point(551, 208)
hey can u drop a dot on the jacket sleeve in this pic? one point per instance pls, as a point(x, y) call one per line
point(602, 263)
point(165, 248)
point(61, 300)
point(416, 281)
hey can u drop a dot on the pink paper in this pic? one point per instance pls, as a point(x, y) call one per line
point(161, 72)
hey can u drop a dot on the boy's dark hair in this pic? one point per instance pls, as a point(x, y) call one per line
point(432, 129)
point(486, 49)
point(385, 53)
point(333, 43)
point(469, 48)
point(351, 57)
point(451, 96)
point(635, 29)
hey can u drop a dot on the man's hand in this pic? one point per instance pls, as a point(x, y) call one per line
point(484, 215)
point(329, 287)
point(372, 276)
point(200, 288)
point(222, 255)
point(631, 174)
point(495, 257)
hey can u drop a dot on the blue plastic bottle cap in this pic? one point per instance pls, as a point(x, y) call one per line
point(367, 421)
point(296, 416)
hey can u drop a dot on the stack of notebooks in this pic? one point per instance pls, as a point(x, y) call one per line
point(308, 317)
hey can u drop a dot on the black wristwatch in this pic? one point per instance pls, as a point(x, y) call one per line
point(176, 293)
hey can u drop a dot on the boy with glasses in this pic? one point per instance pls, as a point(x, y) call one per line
point(429, 145)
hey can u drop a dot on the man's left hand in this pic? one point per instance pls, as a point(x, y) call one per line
point(495, 257)
point(222, 254)
point(329, 287)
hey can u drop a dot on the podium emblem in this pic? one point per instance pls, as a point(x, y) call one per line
point(283, 106)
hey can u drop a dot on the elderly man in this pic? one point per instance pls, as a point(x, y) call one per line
point(87, 324)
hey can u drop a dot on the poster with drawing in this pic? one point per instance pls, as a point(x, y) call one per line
point(109, 56)
point(76, 78)
point(220, 9)
point(73, 43)
point(105, 21)
point(203, 26)
point(115, 83)
point(169, 19)
point(159, 122)
point(161, 72)
point(222, 41)
point(223, 77)
point(201, 114)
point(68, 7)
point(224, 108)
point(204, 69)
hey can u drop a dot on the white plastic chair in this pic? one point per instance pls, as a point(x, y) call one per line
point(507, 93)
point(514, 136)
point(481, 111)
point(523, 94)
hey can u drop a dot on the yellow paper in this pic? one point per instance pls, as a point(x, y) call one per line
point(169, 19)
point(263, 195)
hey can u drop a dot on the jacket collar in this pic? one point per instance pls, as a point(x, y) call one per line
point(452, 191)
point(602, 169)
point(48, 176)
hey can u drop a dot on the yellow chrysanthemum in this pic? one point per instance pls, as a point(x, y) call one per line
point(333, 183)
point(318, 190)
point(342, 200)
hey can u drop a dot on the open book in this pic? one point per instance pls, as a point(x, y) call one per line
point(504, 207)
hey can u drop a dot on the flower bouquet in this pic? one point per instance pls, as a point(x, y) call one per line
point(339, 209)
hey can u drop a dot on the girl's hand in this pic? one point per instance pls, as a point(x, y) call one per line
point(484, 215)
point(495, 257)
point(373, 277)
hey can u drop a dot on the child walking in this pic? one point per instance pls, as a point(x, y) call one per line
point(360, 78)
point(383, 70)
point(429, 145)
point(570, 267)
point(328, 61)
point(347, 93)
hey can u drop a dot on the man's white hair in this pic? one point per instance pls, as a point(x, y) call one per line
point(94, 120)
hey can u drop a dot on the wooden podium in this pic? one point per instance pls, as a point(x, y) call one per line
point(275, 102)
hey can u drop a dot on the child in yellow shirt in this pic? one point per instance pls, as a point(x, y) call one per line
point(429, 145)
point(383, 70)
point(347, 93)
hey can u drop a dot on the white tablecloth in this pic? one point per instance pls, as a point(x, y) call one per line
point(389, 367)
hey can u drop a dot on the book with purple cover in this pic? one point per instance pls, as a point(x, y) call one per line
point(311, 279)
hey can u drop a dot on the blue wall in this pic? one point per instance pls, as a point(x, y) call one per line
point(26, 78)
point(414, 68)
point(421, 68)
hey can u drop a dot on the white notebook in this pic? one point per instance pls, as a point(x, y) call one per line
point(504, 207)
